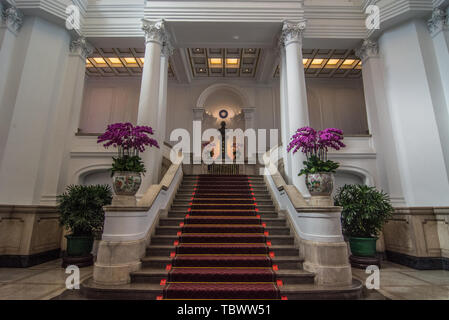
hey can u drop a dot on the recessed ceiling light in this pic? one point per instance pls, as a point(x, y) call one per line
point(114, 60)
point(99, 60)
point(236, 37)
point(348, 62)
point(215, 62)
point(332, 62)
point(130, 60)
point(232, 61)
point(317, 61)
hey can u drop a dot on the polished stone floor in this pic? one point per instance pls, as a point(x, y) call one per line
point(47, 281)
point(41, 282)
point(398, 282)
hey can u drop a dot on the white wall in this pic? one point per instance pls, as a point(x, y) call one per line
point(332, 103)
point(338, 103)
point(108, 101)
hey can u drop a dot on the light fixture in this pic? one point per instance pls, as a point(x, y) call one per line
point(304, 61)
point(317, 61)
point(215, 61)
point(115, 61)
point(348, 62)
point(232, 62)
point(332, 62)
point(142, 60)
point(99, 60)
point(130, 60)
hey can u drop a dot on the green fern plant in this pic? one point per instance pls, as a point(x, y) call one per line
point(365, 210)
point(81, 208)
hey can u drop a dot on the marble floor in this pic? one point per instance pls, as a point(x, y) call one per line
point(399, 282)
point(47, 281)
point(41, 282)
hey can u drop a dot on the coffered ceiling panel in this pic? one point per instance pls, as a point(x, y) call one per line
point(330, 63)
point(118, 62)
point(220, 62)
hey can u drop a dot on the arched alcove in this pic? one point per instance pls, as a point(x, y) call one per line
point(220, 97)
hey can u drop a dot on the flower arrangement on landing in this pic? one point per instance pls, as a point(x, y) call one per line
point(130, 141)
point(315, 145)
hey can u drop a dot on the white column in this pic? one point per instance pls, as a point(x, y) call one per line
point(66, 120)
point(378, 114)
point(40, 58)
point(167, 51)
point(10, 24)
point(149, 95)
point(410, 86)
point(285, 132)
point(438, 26)
point(297, 110)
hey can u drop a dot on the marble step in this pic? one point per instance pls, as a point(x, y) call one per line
point(271, 222)
point(173, 230)
point(274, 239)
point(182, 214)
point(149, 291)
point(283, 262)
point(288, 276)
point(166, 250)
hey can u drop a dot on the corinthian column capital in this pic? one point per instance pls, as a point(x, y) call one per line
point(167, 48)
point(292, 32)
point(368, 50)
point(154, 31)
point(81, 47)
point(437, 22)
point(13, 18)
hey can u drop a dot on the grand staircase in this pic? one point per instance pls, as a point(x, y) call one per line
point(222, 239)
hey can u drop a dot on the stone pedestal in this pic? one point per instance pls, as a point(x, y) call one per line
point(321, 201)
point(124, 201)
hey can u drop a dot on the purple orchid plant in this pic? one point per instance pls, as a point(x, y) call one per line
point(130, 141)
point(315, 145)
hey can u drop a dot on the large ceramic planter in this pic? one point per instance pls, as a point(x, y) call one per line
point(78, 246)
point(126, 183)
point(320, 184)
point(363, 247)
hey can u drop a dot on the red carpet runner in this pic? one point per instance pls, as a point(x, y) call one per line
point(222, 250)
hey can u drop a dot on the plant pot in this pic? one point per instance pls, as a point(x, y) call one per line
point(78, 246)
point(320, 184)
point(363, 247)
point(126, 183)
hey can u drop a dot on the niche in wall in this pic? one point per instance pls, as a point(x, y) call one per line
point(97, 177)
point(223, 99)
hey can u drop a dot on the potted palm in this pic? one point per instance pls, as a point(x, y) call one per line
point(365, 210)
point(81, 212)
point(317, 168)
point(127, 167)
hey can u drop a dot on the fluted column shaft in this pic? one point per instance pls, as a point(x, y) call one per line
point(149, 95)
point(296, 95)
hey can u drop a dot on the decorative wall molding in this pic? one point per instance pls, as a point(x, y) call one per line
point(368, 50)
point(154, 31)
point(437, 22)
